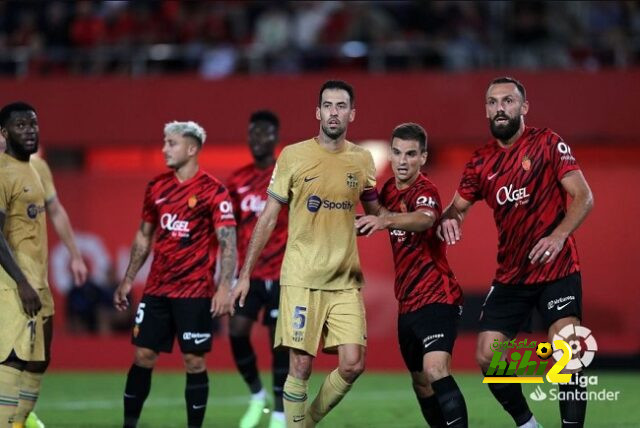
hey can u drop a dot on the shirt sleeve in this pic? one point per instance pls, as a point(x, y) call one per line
point(562, 160)
point(5, 193)
point(427, 199)
point(46, 178)
point(469, 187)
point(282, 178)
point(369, 192)
point(223, 209)
point(149, 210)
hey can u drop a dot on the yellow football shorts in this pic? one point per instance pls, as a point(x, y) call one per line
point(18, 332)
point(308, 315)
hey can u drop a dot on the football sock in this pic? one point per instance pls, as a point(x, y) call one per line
point(511, 398)
point(295, 401)
point(29, 392)
point(431, 411)
point(9, 390)
point(531, 423)
point(333, 389)
point(452, 404)
point(135, 392)
point(196, 394)
point(572, 409)
point(245, 360)
point(280, 369)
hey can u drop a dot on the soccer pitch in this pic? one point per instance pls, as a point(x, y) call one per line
point(88, 399)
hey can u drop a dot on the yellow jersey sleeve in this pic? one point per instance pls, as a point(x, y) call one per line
point(282, 178)
point(46, 177)
point(370, 182)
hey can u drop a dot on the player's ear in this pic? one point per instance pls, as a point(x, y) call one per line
point(424, 157)
point(318, 113)
point(525, 108)
point(352, 115)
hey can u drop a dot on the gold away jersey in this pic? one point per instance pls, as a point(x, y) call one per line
point(46, 177)
point(322, 190)
point(22, 200)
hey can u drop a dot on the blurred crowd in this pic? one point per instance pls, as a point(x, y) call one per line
point(219, 38)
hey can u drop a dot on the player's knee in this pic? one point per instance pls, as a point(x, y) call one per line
point(300, 367)
point(145, 358)
point(350, 370)
point(421, 386)
point(37, 366)
point(436, 370)
point(483, 359)
point(194, 363)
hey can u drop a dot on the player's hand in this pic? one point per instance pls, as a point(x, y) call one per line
point(239, 291)
point(120, 299)
point(369, 224)
point(547, 249)
point(220, 303)
point(449, 231)
point(30, 299)
point(79, 271)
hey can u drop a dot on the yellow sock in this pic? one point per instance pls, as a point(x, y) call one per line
point(332, 391)
point(294, 397)
point(9, 387)
point(29, 391)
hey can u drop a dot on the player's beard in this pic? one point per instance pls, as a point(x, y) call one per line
point(505, 132)
point(22, 151)
point(333, 134)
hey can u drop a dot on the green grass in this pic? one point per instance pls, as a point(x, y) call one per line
point(377, 400)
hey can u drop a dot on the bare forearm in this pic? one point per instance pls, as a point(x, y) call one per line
point(62, 225)
point(228, 254)
point(577, 211)
point(259, 237)
point(139, 253)
point(417, 221)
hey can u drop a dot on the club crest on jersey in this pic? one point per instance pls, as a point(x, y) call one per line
point(352, 180)
point(526, 163)
point(193, 201)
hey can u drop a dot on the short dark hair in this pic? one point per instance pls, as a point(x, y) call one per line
point(507, 79)
point(413, 132)
point(266, 116)
point(6, 111)
point(338, 84)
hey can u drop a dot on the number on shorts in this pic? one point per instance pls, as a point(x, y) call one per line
point(140, 313)
point(299, 318)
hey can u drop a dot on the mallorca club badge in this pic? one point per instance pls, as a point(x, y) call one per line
point(526, 163)
point(192, 202)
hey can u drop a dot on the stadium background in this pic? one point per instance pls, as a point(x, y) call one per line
point(104, 92)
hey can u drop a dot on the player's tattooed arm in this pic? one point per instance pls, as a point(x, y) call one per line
point(139, 250)
point(228, 253)
point(28, 296)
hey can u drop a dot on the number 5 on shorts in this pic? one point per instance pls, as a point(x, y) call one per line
point(299, 318)
point(140, 313)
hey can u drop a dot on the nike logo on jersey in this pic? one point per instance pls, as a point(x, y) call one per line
point(199, 341)
point(298, 418)
point(160, 200)
point(306, 179)
point(243, 189)
point(560, 307)
point(492, 176)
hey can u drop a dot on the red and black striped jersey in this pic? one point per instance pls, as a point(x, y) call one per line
point(423, 275)
point(186, 216)
point(248, 190)
point(521, 184)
